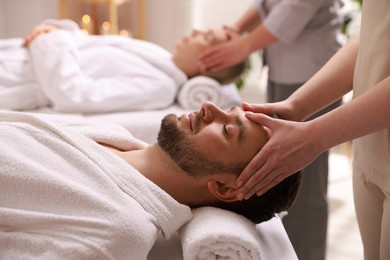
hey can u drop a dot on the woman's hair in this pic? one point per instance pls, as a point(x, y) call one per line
point(262, 208)
point(228, 75)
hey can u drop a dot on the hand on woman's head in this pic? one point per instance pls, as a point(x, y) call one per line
point(225, 54)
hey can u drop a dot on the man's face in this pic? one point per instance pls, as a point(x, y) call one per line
point(192, 45)
point(211, 138)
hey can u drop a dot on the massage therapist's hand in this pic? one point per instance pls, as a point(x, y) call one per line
point(221, 56)
point(36, 32)
point(283, 109)
point(291, 147)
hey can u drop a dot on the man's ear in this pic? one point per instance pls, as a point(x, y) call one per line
point(222, 191)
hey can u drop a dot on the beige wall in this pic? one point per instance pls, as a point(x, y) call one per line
point(1, 18)
point(19, 16)
point(166, 20)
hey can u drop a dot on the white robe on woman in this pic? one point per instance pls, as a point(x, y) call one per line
point(74, 72)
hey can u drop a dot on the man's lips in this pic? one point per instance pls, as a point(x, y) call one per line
point(191, 120)
point(187, 120)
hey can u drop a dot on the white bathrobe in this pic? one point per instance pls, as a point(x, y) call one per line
point(63, 196)
point(74, 72)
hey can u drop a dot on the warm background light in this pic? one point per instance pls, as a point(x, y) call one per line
point(86, 19)
point(106, 26)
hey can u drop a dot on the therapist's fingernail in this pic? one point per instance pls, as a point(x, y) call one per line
point(240, 196)
point(239, 183)
point(259, 193)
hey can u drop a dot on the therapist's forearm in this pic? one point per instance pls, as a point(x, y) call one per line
point(259, 38)
point(329, 84)
point(363, 115)
point(247, 21)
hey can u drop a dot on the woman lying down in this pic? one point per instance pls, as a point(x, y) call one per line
point(79, 190)
point(57, 65)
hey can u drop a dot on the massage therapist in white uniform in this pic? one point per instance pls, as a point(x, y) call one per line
point(298, 38)
point(363, 66)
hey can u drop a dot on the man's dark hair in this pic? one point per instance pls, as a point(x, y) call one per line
point(262, 208)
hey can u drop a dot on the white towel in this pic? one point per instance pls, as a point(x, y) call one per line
point(199, 89)
point(215, 233)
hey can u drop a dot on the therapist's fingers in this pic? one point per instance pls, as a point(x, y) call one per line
point(262, 119)
point(260, 165)
point(258, 160)
point(257, 108)
point(211, 59)
point(248, 178)
point(281, 110)
point(262, 185)
point(271, 109)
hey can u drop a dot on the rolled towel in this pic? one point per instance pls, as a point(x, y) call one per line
point(231, 96)
point(199, 89)
point(215, 233)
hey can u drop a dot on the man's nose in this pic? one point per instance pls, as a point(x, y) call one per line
point(211, 112)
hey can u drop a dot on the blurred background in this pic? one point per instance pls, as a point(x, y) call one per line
point(165, 21)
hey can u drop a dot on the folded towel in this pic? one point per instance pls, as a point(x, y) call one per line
point(198, 90)
point(215, 233)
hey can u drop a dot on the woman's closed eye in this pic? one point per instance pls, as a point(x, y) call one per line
point(209, 37)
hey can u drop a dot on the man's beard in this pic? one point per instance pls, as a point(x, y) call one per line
point(181, 150)
point(186, 155)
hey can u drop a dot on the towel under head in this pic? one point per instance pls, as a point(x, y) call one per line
point(215, 233)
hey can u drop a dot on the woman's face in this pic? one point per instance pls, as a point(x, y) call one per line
point(189, 47)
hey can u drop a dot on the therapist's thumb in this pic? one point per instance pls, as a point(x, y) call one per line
point(261, 119)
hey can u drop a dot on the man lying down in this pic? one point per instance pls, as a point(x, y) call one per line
point(80, 190)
